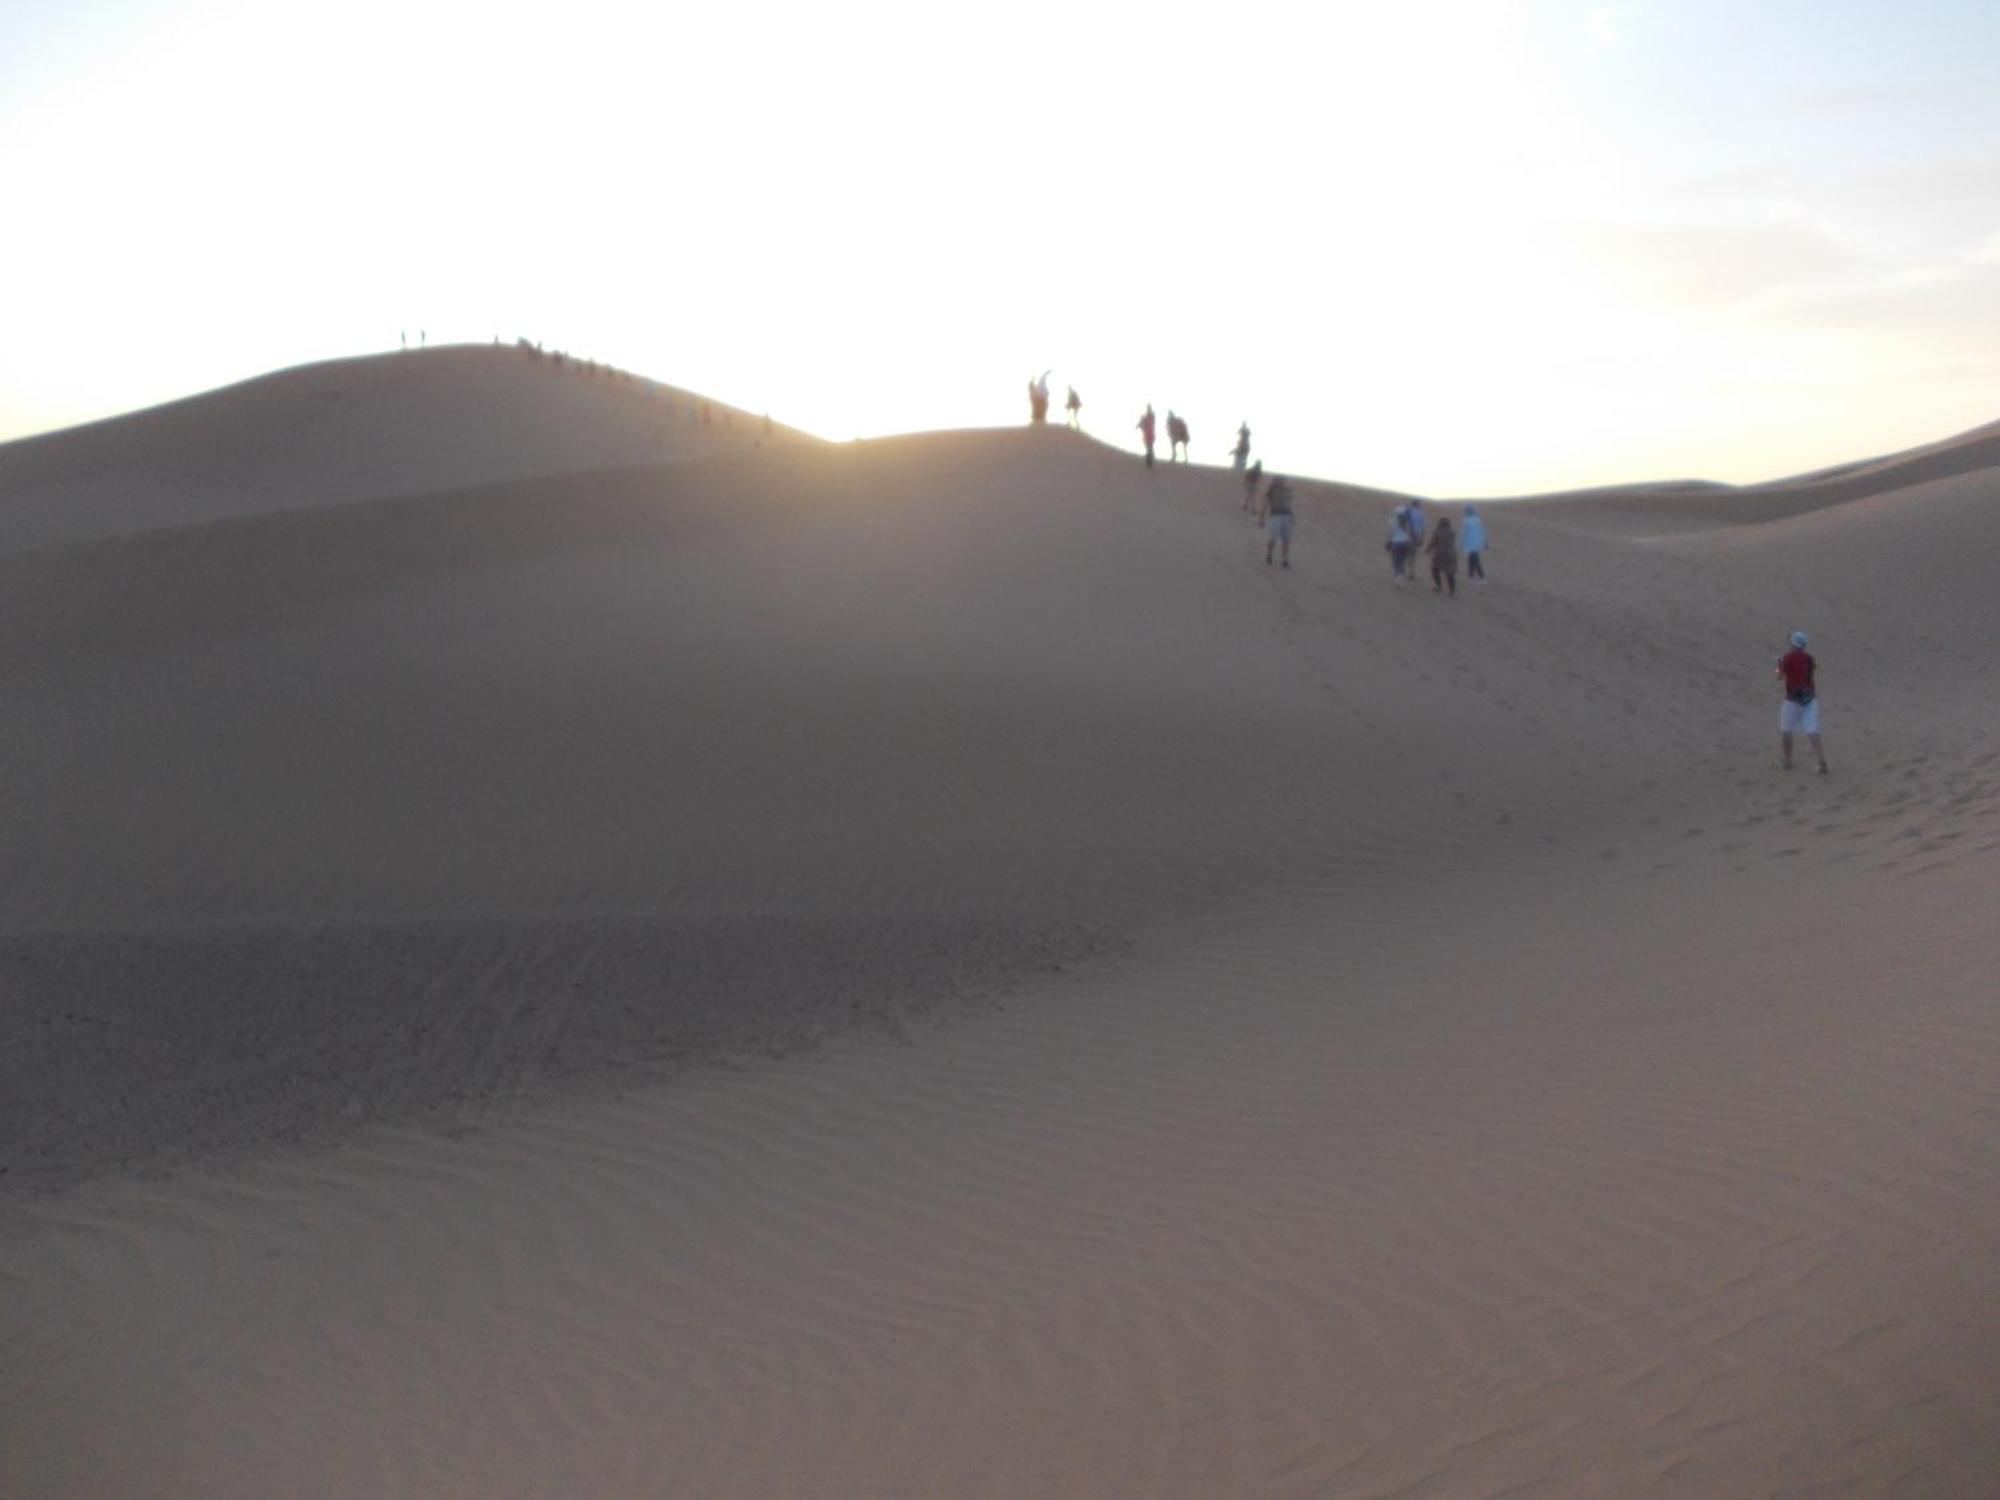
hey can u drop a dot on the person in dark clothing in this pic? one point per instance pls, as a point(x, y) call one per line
point(1074, 406)
point(1241, 452)
point(1251, 480)
point(1146, 433)
point(1177, 438)
point(1443, 548)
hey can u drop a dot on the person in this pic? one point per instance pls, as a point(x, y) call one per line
point(1146, 433)
point(1251, 480)
point(1443, 548)
point(1241, 452)
point(1276, 514)
point(1800, 710)
point(1415, 518)
point(1177, 437)
point(1074, 406)
point(1038, 399)
point(1399, 543)
point(1472, 538)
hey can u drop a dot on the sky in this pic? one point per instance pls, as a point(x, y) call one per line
point(1461, 247)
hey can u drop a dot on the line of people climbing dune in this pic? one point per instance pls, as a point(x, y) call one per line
point(1412, 540)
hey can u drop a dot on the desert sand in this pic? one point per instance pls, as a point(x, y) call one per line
point(547, 949)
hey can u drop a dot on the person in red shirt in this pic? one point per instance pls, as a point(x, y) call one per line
point(1800, 710)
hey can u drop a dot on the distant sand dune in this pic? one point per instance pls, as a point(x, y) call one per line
point(546, 954)
point(1691, 505)
point(350, 430)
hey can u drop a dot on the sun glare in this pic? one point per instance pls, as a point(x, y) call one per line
point(1418, 243)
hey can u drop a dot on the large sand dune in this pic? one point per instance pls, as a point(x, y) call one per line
point(923, 968)
point(353, 429)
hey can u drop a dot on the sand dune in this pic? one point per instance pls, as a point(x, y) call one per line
point(1675, 507)
point(347, 430)
point(924, 968)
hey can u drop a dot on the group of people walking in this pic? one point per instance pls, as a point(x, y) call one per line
point(1038, 403)
point(1412, 540)
point(1409, 543)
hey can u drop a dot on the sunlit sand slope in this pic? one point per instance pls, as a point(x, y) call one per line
point(926, 968)
point(351, 429)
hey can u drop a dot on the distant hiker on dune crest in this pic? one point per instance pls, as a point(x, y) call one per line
point(1038, 399)
point(1241, 452)
point(1177, 438)
point(1800, 710)
point(1146, 433)
point(1074, 406)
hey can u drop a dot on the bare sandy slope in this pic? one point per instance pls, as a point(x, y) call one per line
point(352, 429)
point(924, 968)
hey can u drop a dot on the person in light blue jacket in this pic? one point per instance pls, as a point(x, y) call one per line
point(1472, 541)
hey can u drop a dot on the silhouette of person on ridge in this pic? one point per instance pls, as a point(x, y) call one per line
point(1241, 452)
point(1038, 399)
point(1074, 406)
point(1177, 437)
point(1146, 433)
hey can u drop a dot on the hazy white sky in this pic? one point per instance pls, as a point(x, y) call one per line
point(1463, 246)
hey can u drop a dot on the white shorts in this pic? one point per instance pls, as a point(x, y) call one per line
point(1794, 717)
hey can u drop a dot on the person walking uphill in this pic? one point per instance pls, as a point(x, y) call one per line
point(1399, 543)
point(1800, 710)
point(1276, 514)
point(1146, 430)
point(1253, 477)
point(1472, 540)
point(1443, 548)
point(1074, 406)
point(1241, 452)
point(1177, 438)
